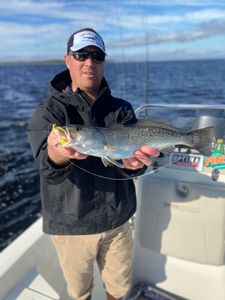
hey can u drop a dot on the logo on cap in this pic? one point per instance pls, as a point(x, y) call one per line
point(87, 38)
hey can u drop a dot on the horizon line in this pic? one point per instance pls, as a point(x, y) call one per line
point(59, 61)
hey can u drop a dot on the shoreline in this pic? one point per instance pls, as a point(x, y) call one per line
point(59, 62)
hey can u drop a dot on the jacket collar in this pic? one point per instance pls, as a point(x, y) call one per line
point(61, 84)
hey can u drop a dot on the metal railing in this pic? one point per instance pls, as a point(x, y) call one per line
point(181, 106)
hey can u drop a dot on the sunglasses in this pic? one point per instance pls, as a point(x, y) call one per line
point(98, 58)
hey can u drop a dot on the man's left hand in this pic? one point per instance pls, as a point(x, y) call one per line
point(141, 158)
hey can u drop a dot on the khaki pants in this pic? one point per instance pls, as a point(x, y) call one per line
point(111, 249)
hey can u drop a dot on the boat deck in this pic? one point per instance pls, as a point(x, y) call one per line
point(34, 286)
point(33, 270)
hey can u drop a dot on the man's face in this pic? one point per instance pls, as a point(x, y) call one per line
point(87, 74)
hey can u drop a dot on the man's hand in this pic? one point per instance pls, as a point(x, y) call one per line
point(61, 156)
point(141, 157)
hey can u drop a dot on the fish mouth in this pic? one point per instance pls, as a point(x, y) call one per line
point(63, 135)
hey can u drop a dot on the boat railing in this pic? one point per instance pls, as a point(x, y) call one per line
point(196, 115)
point(180, 106)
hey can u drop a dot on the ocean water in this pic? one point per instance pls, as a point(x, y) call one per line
point(22, 87)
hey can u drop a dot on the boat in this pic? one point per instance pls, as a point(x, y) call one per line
point(179, 229)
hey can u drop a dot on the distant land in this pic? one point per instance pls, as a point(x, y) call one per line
point(43, 62)
point(32, 62)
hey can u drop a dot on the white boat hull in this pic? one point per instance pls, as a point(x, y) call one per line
point(179, 239)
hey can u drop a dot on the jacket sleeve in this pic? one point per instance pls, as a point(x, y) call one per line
point(38, 130)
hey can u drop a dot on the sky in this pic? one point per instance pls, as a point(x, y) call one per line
point(153, 30)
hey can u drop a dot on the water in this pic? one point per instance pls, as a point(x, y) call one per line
point(22, 87)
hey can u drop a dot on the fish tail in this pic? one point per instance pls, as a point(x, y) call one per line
point(203, 140)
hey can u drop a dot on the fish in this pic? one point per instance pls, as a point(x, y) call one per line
point(120, 141)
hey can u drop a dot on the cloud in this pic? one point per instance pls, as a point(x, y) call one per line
point(67, 10)
point(10, 31)
point(34, 7)
point(209, 30)
point(28, 42)
point(189, 26)
point(206, 15)
point(181, 2)
point(40, 27)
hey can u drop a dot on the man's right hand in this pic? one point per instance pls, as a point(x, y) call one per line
point(61, 156)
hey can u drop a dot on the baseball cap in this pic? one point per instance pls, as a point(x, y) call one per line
point(84, 38)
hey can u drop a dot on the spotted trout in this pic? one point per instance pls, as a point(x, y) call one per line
point(121, 141)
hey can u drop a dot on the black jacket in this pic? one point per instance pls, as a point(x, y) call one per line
point(73, 200)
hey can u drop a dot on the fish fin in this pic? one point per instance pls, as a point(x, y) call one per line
point(109, 148)
point(107, 161)
point(167, 150)
point(154, 123)
point(203, 140)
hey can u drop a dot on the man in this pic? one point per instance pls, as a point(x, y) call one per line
point(86, 215)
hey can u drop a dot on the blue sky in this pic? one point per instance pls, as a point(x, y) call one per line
point(132, 30)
